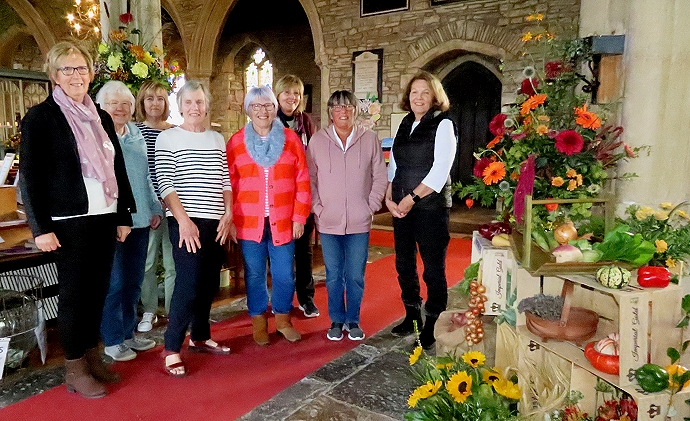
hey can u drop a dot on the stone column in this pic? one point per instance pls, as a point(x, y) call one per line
point(147, 19)
point(325, 94)
point(656, 91)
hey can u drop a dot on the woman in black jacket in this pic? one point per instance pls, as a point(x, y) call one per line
point(78, 202)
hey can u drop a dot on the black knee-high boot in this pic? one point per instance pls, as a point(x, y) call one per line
point(426, 337)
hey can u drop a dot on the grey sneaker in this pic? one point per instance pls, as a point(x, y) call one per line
point(335, 333)
point(140, 344)
point(309, 309)
point(120, 352)
point(147, 321)
point(356, 333)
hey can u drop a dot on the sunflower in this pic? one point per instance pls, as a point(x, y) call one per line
point(460, 386)
point(424, 391)
point(508, 389)
point(494, 172)
point(415, 355)
point(490, 376)
point(474, 358)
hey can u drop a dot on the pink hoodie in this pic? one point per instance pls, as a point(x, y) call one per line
point(347, 187)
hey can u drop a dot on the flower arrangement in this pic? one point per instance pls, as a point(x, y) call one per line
point(550, 142)
point(668, 227)
point(461, 389)
point(129, 62)
point(370, 111)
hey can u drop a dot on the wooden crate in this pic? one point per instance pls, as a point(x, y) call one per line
point(583, 378)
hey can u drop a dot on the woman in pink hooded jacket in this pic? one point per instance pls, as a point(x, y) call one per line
point(348, 181)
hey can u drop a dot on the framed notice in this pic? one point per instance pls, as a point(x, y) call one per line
point(376, 7)
point(367, 73)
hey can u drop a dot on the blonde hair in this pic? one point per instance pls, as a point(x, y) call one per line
point(150, 87)
point(63, 49)
point(291, 81)
point(440, 99)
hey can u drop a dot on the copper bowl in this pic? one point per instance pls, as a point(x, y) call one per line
point(579, 325)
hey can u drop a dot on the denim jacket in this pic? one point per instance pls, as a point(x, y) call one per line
point(134, 151)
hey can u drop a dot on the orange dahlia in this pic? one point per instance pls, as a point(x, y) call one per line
point(587, 119)
point(137, 51)
point(532, 103)
point(494, 172)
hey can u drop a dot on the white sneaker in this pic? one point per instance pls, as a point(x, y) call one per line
point(140, 344)
point(120, 352)
point(147, 321)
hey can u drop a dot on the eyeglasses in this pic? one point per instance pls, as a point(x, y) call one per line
point(116, 104)
point(340, 107)
point(258, 107)
point(69, 71)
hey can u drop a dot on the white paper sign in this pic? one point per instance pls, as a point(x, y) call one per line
point(4, 347)
point(366, 74)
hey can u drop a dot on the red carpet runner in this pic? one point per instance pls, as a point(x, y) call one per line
point(225, 388)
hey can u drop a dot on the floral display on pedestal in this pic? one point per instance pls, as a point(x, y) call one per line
point(550, 142)
point(130, 62)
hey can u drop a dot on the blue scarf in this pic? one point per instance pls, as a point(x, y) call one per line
point(265, 152)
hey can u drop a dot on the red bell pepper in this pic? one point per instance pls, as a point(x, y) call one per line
point(653, 276)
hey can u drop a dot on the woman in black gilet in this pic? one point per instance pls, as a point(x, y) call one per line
point(418, 175)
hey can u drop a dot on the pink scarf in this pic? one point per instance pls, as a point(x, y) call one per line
point(96, 151)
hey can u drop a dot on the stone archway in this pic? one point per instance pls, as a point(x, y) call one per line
point(11, 40)
point(36, 25)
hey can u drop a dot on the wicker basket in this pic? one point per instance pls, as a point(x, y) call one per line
point(577, 324)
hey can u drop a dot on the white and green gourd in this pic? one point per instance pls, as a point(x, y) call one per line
point(613, 277)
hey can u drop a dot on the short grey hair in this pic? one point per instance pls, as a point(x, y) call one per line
point(113, 88)
point(342, 98)
point(190, 86)
point(260, 92)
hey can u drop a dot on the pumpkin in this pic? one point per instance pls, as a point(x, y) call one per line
point(606, 363)
point(608, 345)
point(613, 277)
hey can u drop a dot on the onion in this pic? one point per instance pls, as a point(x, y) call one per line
point(565, 232)
point(567, 253)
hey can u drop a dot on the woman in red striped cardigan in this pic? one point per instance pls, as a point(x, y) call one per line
point(271, 202)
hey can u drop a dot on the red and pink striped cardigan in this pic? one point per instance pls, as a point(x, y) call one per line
point(289, 194)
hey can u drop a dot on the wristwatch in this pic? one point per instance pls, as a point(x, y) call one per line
point(415, 197)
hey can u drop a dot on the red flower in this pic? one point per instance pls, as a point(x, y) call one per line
point(553, 69)
point(528, 88)
point(479, 167)
point(126, 18)
point(569, 142)
point(496, 125)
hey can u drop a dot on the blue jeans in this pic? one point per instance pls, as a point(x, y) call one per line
point(197, 282)
point(345, 257)
point(120, 309)
point(255, 256)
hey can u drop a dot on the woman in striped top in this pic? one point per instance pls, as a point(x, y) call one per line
point(271, 202)
point(152, 110)
point(193, 181)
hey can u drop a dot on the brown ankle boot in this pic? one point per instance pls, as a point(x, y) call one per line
point(98, 369)
point(285, 328)
point(78, 380)
point(260, 333)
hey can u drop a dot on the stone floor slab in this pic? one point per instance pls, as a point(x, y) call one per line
point(325, 408)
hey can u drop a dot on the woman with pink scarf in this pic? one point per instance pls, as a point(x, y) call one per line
point(78, 203)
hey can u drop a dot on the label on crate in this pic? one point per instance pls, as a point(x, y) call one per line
point(497, 269)
point(634, 325)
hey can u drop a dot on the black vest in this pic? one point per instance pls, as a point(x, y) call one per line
point(414, 157)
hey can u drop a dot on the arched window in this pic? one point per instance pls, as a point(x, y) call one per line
point(259, 72)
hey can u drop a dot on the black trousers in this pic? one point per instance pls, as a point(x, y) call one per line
point(304, 280)
point(84, 260)
point(425, 230)
point(196, 283)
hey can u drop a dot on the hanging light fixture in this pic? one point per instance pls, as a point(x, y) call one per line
point(84, 20)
